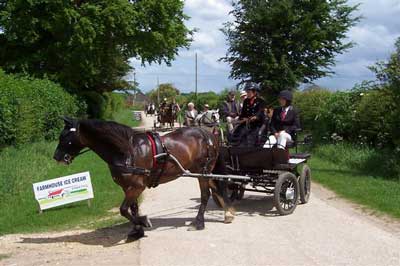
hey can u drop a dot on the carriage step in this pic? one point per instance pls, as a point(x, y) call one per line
point(300, 156)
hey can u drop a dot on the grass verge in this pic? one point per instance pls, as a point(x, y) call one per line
point(125, 116)
point(22, 166)
point(349, 179)
point(4, 256)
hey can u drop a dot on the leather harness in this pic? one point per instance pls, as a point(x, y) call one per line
point(158, 164)
point(157, 147)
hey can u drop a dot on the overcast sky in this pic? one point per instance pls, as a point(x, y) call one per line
point(374, 37)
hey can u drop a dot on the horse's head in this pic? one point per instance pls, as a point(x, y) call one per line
point(211, 118)
point(216, 116)
point(69, 145)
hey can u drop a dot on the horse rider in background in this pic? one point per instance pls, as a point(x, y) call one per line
point(163, 103)
point(190, 115)
point(243, 96)
point(230, 110)
point(285, 121)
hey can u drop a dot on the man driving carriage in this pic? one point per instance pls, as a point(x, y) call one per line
point(251, 117)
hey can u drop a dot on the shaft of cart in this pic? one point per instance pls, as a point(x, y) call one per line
point(187, 173)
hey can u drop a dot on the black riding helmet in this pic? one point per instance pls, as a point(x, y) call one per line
point(252, 86)
point(286, 94)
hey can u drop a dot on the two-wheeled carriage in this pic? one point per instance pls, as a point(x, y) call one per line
point(268, 170)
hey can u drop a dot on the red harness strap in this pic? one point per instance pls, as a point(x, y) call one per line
point(153, 149)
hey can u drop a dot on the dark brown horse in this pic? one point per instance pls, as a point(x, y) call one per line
point(168, 115)
point(130, 157)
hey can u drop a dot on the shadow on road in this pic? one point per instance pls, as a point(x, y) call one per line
point(106, 237)
point(251, 205)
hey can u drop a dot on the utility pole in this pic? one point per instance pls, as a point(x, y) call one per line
point(195, 92)
point(158, 91)
point(134, 85)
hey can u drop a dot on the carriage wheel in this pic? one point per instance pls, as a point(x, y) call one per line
point(305, 184)
point(286, 193)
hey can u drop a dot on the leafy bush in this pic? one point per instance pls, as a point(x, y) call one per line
point(30, 109)
point(373, 119)
point(103, 105)
point(363, 115)
point(311, 104)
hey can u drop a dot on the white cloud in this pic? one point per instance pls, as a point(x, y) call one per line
point(208, 9)
point(204, 40)
point(374, 36)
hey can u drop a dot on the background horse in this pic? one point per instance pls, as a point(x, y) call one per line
point(210, 118)
point(150, 109)
point(130, 157)
point(168, 115)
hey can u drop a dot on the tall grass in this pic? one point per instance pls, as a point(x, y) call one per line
point(20, 167)
point(369, 161)
point(361, 175)
point(30, 163)
point(125, 116)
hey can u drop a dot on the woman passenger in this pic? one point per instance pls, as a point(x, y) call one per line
point(285, 121)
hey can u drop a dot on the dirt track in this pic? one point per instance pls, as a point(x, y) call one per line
point(327, 231)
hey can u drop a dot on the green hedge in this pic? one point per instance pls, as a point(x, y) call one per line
point(30, 109)
point(364, 115)
point(103, 105)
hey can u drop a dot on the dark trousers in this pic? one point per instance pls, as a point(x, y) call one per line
point(245, 135)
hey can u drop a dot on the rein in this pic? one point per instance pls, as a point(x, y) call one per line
point(84, 151)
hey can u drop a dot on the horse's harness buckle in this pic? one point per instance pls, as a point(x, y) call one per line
point(159, 163)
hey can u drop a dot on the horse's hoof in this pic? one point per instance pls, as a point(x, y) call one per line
point(229, 217)
point(196, 226)
point(134, 235)
point(145, 221)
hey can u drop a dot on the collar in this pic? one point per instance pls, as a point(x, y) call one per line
point(287, 108)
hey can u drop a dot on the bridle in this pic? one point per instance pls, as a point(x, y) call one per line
point(206, 119)
point(68, 157)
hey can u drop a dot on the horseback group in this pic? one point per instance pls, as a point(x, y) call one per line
point(167, 113)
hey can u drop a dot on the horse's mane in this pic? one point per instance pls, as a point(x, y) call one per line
point(109, 132)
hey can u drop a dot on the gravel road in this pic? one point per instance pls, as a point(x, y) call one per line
point(326, 231)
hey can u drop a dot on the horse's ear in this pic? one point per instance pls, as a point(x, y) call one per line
point(68, 121)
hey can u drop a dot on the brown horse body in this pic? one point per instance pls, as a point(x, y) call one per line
point(168, 115)
point(130, 157)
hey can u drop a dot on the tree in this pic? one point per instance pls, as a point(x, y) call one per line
point(85, 45)
point(388, 77)
point(388, 72)
point(281, 43)
point(165, 90)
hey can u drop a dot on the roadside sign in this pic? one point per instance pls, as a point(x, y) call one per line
point(137, 115)
point(63, 190)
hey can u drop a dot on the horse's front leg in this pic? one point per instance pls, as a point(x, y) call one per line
point(131, 196)
point(198, 223)
point(143, 220)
